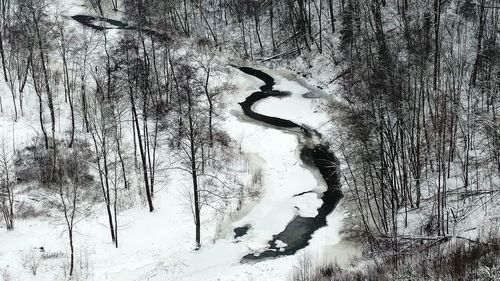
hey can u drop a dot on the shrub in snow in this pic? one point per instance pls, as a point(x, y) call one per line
point(36, 164)
point(31, 260)
point(46, 255)
point(306, 269)
point(25, 210)
point(406, 274)
point(6, 275)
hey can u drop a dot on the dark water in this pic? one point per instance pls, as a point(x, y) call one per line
point(92, 21)
point(102, 23)
point(315, 154)
point(240, 231)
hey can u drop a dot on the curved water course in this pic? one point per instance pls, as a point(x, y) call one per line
point(314, 153)
point(102, 23)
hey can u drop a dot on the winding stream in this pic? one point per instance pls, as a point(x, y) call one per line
point(315, 153)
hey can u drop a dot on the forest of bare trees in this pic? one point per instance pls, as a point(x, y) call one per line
point(420, 81)
point(422, 109)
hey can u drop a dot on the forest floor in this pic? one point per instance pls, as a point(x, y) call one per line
point(159, 245)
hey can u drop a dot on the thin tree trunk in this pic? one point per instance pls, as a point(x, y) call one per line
point(477, 62)
point(2, 53)
point(194, 175)
point(210, 108)
point(143, 156)
point(46, 80)
point(40, 106)
point(271, 17)
point(332, 15)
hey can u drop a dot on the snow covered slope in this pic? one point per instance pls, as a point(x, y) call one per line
point(158, 246)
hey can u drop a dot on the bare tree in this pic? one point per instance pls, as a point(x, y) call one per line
point(71, 182)
point(4, 23)
point(69, 83)
point(6, 187)
point(100, 121)
point(193, 135)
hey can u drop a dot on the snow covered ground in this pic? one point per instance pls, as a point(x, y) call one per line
point(159, 245)
point(284, 176)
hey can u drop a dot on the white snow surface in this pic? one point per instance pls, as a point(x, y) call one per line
point(295, 107)
point(284, 176)
point(159, 245)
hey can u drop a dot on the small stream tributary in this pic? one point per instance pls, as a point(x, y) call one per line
point(102, 23)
